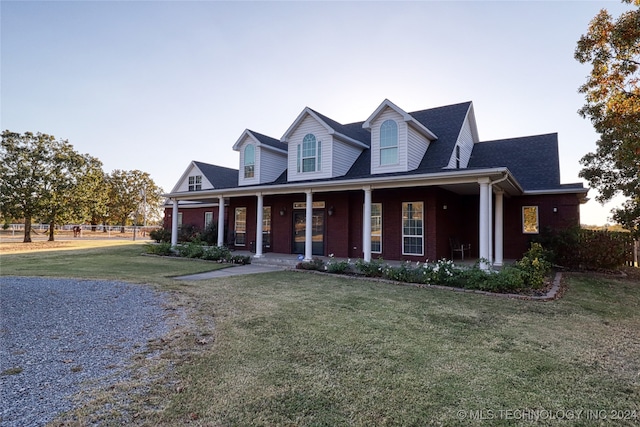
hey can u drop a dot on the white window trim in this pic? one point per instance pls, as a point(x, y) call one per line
point(413, 235)
point(317, 157)
point(391, 147)
point(249, 166)
point(195, 183)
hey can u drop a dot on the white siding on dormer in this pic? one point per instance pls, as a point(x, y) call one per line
point(417, 147)
point(309, 125)
point(272, 164)
point(389, 114)
point(193, 170)
point(465, 141)
point(344, 156)
point(269, 164)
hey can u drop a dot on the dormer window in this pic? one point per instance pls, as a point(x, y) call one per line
point(309, 154)
point(195, 183)
point(249, 161)
point(388, 143)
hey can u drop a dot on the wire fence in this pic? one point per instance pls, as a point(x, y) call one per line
point(82, 230)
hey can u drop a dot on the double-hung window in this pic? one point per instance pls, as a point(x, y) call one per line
point(376, 228)
point(249, 161)
point(412, 228)
point(240, 227)
point(388, 143)
point(208, 219)
point(195, 183)
point(309, 154)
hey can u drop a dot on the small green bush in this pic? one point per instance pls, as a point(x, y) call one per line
point(472, 278)
point(374, 268)
point(216, 253)
point(314, 264)
point(508, 279)
point(402, 273)
point(191, 250)
point(210, 234)
point(534, 266)
point(587, 249)
point(188, 233)
point(160, 235)
point(338, 267)
point(163, 248)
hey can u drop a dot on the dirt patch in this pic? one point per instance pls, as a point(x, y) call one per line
point(13, 247)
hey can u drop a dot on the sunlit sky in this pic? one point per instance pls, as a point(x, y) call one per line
point(152, 85)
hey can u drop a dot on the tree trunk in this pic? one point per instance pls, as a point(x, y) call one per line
point(52, 225)
point(93, 226)
point(27, 229)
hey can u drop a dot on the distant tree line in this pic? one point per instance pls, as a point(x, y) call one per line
point(44, 179)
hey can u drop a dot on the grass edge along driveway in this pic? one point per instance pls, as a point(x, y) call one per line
point(293, 349)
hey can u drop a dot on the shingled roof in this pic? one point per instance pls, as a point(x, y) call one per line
point(267, 140)
point(219, 176)
point(533, 160)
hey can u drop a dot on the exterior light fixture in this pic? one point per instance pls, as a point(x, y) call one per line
point(331, 211)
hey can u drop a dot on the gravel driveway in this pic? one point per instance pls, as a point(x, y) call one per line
point(57, 334)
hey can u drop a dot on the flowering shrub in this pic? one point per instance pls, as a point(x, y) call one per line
point(216, 253)
point(338, 267)
point(534, 266)
point(529, 272)
point(443, 272)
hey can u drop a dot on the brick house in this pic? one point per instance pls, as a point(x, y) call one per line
point(398, 185)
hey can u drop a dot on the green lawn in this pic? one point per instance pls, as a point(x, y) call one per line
point(291, 348)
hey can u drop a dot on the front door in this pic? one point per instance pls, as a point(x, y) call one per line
point(317, 232)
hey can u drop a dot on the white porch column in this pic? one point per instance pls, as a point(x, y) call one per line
point(490, 207)
point(259, 224)
point(366, 227)
point(499, 228)
point(484, 224)
point(220, 220)
point(308, 228)
point(174, 223)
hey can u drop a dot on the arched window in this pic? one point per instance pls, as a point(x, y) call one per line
point(389, 143)
point(310, 156)
point(249, 161)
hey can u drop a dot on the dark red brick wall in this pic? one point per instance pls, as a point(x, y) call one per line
point(343, 230)
point(190, 216)
point(567, 215)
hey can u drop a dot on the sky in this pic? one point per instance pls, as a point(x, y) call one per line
point(153, 85)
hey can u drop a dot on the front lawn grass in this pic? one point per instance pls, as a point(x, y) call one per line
point(291, 348)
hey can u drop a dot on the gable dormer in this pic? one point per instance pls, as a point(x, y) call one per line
point(398, 141)
point(467, 137)
point(262, 158)
point(193, 179)
point(319, 148)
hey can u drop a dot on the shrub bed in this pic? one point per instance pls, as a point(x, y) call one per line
point(529, 273)
point(197, 249)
